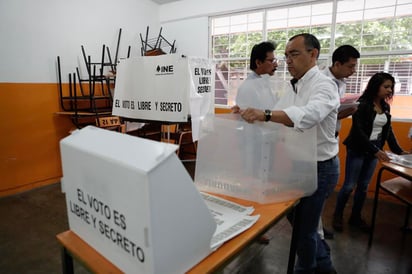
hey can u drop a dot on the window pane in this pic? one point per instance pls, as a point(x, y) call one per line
point(350, 6)
point(402, 34)
point(220, 46)
point(281, 38)
point(377, 3)
point(379, 29)
point(321, 9)
point(323, 33)
point(373, 42)
point(352, 16)
point(348, 33)
point(387, 12)
point(276, 14)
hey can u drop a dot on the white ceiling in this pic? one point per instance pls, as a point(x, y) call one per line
point(160, 2)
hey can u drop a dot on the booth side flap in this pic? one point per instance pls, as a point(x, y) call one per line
point(120, 147)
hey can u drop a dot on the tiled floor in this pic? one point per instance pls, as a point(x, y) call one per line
point(30, 221)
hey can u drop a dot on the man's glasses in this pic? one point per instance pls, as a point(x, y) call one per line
point(294, 54)
point(273, 61)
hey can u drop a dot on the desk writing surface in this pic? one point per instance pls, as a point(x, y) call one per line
point(85, 254)
point(270, 214)
point(403, 171)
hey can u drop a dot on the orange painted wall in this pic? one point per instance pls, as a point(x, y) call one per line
point(401, 132)
point(29, 136)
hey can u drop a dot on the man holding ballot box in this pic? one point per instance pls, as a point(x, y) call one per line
point(311, 101)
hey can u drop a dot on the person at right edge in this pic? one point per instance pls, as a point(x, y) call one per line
point(371, 128)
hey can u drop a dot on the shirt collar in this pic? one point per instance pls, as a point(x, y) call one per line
point(308, 75)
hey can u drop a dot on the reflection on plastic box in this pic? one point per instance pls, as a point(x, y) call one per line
point(262, 162)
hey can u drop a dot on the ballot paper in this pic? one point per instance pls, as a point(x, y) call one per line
point(349, 101)
point(403, 160)
point(231, 218)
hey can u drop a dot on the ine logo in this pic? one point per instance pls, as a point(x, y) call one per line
point(163, 70)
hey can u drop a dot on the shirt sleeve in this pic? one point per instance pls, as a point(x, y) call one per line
point(321, 102)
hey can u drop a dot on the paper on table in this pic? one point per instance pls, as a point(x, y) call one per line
point(403, 160)
point(231, 218)
point(349, 101)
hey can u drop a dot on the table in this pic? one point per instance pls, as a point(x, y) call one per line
point(401, 171)
point(74, 247)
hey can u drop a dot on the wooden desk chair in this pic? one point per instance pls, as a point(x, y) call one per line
point(183, 138)
point(401, 189)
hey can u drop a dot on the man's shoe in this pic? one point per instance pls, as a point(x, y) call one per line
point(328, 234)
point(337, 223)
point(359, 223)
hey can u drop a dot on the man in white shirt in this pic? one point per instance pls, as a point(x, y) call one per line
point(255, 91)
point(309, 102)
point(344, 62)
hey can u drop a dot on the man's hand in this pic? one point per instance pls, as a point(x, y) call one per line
point(347, 112)
point(251, 114)
point(235, 109)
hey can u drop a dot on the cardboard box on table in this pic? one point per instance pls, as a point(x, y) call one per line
point(132, 200)
point(262, 162)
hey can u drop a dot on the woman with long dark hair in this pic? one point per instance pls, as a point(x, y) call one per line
point(371, 128)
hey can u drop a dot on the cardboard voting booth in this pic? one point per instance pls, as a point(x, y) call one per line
point(262, 162)
point(168, 88)
point(132, 200)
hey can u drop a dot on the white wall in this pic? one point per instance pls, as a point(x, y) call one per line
point(34, 33)
point(191, 36)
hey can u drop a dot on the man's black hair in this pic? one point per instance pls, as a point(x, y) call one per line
point(259, 52)
point(343, 53)
point(310, 40)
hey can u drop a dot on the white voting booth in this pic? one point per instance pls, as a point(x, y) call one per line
point(169, 88)
point(132, 200)
point(262, 162)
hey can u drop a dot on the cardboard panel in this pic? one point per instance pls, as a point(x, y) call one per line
point(133, 201)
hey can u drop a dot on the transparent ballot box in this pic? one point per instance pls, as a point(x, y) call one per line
point(262, 162)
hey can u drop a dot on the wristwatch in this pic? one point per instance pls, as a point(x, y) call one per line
point(268, 115)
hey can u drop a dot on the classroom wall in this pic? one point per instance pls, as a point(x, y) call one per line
point(33, 34)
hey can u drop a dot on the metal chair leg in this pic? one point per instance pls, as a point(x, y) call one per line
point(375, 205)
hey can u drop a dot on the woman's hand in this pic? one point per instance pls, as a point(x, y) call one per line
point(382, 156)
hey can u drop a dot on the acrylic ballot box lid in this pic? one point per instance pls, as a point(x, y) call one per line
point(133, 201)
point(262, 162)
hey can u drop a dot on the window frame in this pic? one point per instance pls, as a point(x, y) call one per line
point(234, 75)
